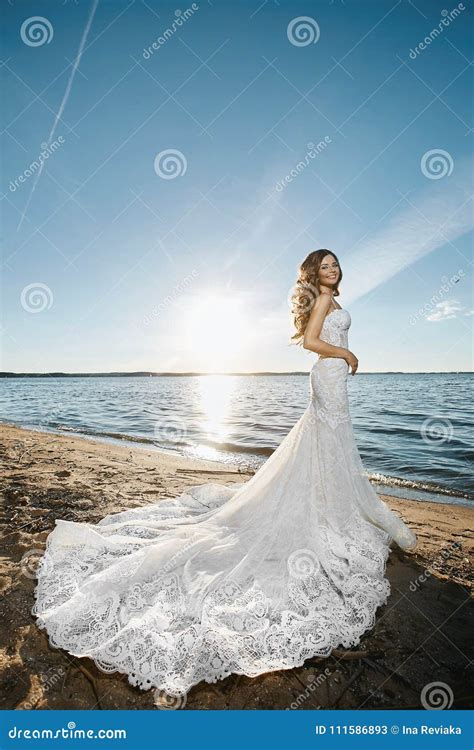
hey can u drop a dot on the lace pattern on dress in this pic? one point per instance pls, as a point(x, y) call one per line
point(147, 630)
point(328, 380)
point(232, 579)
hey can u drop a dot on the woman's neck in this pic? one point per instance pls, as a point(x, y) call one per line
point(326, 290)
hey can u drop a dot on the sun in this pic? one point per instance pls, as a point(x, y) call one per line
point(216, 331)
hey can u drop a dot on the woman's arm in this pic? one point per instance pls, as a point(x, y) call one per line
point(311, 338)
point(314, 343)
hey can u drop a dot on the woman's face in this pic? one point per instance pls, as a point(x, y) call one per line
point(329, 271)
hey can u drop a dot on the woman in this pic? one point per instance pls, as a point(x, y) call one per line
point(242, 579)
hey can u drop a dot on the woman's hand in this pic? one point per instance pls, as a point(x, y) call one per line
point(352, 361)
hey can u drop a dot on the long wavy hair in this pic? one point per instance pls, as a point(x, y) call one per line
point(307, 291)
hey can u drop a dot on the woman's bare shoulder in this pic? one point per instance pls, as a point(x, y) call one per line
point(323, 303)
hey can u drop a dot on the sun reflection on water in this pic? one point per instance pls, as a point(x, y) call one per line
point(215, 395)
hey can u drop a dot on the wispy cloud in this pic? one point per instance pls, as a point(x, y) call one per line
point(446, 310)
point(63, 104)
point(261, 213)
point(439, 215)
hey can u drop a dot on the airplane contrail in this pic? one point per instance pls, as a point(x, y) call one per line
point(62, 106)
point(437, 216)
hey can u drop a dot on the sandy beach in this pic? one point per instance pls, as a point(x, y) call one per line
point(422, 634)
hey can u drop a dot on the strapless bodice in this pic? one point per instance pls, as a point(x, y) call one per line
point(328, 377)
point(336, 328)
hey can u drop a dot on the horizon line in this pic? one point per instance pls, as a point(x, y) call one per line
point(151, 373)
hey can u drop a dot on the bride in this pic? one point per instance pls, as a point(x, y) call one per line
point(240, 579)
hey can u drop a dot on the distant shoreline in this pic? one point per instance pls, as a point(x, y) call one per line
point(147, 374)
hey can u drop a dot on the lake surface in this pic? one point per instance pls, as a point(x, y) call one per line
point(414, 431)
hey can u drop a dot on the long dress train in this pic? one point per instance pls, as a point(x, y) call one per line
point(232, 579)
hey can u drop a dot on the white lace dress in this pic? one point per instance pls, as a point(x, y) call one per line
point(244, 579)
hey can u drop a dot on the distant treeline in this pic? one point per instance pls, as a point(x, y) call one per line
point(130, 374)
point(187, 374)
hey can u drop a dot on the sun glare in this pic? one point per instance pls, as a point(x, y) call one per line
point(216, 332)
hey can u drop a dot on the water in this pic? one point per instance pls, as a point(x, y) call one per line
point(412, 430)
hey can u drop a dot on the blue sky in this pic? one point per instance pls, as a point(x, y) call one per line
point(120, 256)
